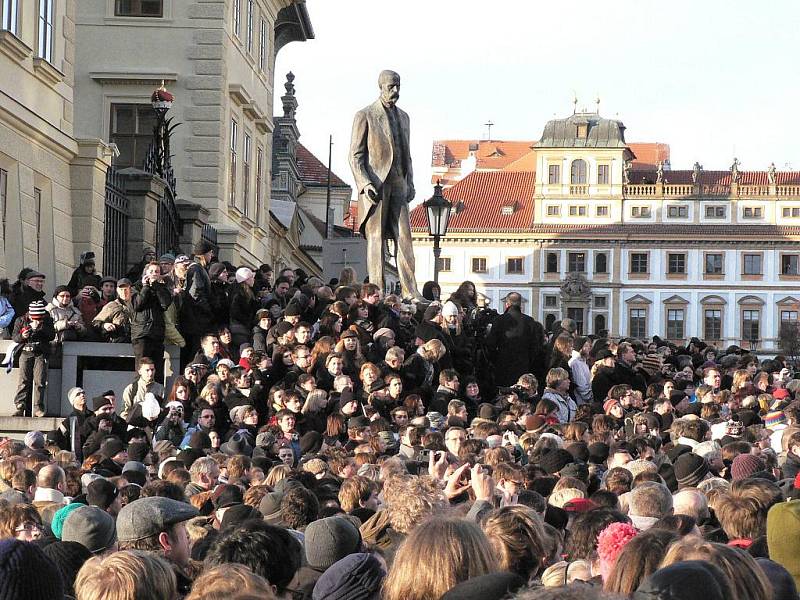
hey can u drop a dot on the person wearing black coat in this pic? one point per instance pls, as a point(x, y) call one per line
point(84, 275)
point(146, 309)
point(197, 315)
point(33, 331)
point(243, 308)
point(517, 343)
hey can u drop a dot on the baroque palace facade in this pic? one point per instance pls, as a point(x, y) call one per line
point(587, 226)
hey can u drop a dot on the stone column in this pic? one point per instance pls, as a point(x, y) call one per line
point(193, 217)
point(88, 176)
point(144, 192)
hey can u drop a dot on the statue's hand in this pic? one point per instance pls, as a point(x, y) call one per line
point(371, 193)
point(411, 193)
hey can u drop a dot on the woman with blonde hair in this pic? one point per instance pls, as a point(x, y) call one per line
point(740, 380)
point(421, 369)
point(518, 538)
point(229, 581)
point(126, 575)
point(348, 277)
point(748, 579)
point(435, 557)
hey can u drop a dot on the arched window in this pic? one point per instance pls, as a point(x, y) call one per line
point(599, 323)
point(600, 263)
point(578, 173)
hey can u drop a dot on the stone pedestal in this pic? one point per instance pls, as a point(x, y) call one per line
point(144, 192)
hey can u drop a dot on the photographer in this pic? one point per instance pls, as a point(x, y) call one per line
point(33, 331)
point(84, 275)
point(67, 319)
point(146, 309)
point(173, 428)
point(112, 323)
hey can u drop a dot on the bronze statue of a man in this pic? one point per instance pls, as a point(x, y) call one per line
point(380, 159)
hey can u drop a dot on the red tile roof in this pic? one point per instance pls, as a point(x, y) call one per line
point(719, 178)
point(494, 154)
point(526, 162)
point(649, 154)
point(351, 218)
point(312, 171)
point(479, 198)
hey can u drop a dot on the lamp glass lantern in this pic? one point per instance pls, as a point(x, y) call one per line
point(438, 211)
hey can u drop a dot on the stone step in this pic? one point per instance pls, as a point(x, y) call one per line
point(17, 427)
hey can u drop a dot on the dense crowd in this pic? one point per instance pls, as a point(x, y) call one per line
point(326, 442)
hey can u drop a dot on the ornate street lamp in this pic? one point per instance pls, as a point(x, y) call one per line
point(159, 160)
point(438, 211)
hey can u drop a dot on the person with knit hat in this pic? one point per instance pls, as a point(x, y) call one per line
point(27, 574)
point(326, 541)
point(355, 577)
point(686, 580)
point(745, 465)
point(33, 331)
point(68, 557)
point(57, 524)
point(690, 469)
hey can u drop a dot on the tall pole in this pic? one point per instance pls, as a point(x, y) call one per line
point(437, 252)
point(328, 191)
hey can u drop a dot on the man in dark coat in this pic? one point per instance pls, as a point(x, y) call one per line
point(517, 343)
point(146, 309)
point(197, 315)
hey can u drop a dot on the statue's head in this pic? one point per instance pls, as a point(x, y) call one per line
point(389, 84)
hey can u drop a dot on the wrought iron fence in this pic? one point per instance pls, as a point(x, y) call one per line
point(168, 225)
point(115, 235)
point(209, 234)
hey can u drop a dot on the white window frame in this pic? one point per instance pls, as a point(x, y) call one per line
point(263, 45)
point(10, 16)
point(234, 133)
point(45, 30)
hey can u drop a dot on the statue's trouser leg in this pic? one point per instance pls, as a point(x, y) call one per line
point(373, 230)
point(399, 228)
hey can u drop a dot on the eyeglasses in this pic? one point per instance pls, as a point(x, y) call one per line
point(29, 528)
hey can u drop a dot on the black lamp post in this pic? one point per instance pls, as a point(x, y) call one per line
point(158, 159)
point(438, 211)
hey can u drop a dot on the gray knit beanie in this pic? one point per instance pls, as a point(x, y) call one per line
point(329, 540)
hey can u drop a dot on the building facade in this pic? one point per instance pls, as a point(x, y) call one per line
point(50, 178)
point(217, 57)
point(597, 235)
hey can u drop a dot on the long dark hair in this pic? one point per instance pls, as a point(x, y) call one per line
point(5, 287)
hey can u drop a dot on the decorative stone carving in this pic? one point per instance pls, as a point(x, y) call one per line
point(575, 288)
point(771, 174)
point(696, 172)
point(735, 170)
point(660, 172)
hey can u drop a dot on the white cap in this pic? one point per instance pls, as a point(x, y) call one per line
point(243, 274)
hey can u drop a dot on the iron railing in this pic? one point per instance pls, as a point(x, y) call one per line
point(209, 234)
point(115, 235)
point(168, 225)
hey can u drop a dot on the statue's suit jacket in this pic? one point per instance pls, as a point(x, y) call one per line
point(372, 151)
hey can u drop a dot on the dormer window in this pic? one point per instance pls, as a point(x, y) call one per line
point(507, 210)
point(582, 131)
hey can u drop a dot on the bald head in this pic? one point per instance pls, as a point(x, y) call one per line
point(691, 502)
point(51, 476)
point(514, 299)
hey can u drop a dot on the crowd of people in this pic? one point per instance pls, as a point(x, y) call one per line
point(324, 441)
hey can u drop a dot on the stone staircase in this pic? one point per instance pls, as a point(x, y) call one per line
point(17, 427)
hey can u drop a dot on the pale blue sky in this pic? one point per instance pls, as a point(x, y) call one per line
point(712, 79)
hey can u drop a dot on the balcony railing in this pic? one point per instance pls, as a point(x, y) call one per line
point(651, 190)
point(579, 190)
